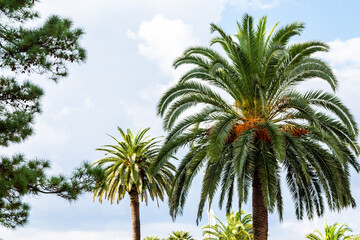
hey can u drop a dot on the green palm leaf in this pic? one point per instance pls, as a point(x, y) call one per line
point(332, 232)
point(236, 228)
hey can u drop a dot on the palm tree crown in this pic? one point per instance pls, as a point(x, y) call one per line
point(247, 122)
point(354, 237)
point(332, 232)
point(180, 235)
point(237, 228)
point(127, 168)
point(152, 238)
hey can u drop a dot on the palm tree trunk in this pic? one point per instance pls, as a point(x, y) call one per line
point(260, 213)
point(135, 214)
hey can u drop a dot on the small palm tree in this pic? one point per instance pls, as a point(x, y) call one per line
point(332, 232)
point(180, 235)
point(354, 237)
point(152, 238)
point(127, 171)
point(237, 228)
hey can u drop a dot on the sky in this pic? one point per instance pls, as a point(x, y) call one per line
point(131, 46)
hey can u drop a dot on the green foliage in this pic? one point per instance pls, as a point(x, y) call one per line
point(18, 105)
point(332, 232)
point(175, 235)
point(19, 178)
point(237, 228)
point(18, 10)
point(241, 112)
point(152, 238)
point(44, 49)
point(127, 168)
point(180, 235)
point(354, 237)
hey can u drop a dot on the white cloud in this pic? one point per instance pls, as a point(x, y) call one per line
point(86, 105)
point(344, 52)
point(46, 136)
point(255, 4)
point(160, 40)
point(298, 229)
point(163, 40)
point(37, 234)
point(79, 8)
point(53, 134)
point(160, 229)
point(144, 116)
point(131, 35)
point(211, 11)
point(344, 58)
point(94, 9)
point(187, 9)
point(65, 111)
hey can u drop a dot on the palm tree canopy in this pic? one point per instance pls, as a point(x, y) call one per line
point(241, 112)
point(353, 237)
point(152, 238)
point(127, 167)
point(332, 232)
point(180, 235)
point(237, 228)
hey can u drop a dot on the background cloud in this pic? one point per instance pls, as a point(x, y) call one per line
point(163, 40)
point(344, 53)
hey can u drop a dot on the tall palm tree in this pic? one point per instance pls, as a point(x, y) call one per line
point(180, 235)
point(332, 232)
point(127, 171)
point(237, 228)
point(244, 121)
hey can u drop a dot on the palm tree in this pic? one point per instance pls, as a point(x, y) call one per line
point(180, 235)
point(127, 171)
point(354, 237)
point(333, 232)
point(244, 121)
point(237, 228)
point(152, 238)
